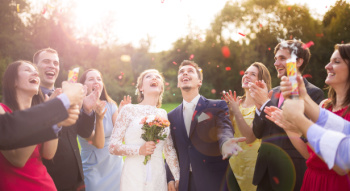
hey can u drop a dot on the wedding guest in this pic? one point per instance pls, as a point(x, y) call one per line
point(280, 165)
point(66, 167)
point(242, 111)
point(22, 169)
point(136, 175)
point(102, 171)
point(202, 133)
point(338, 79)
point(21, 129)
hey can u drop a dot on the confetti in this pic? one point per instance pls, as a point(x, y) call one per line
point(162, 1)
point(213, 91)
point(174, 128)
point(308, 45)
point(260, 26)
point(319, 35)
point(214, 105)
point(44, 11)
point(133, 84)
point(307, 76)
point(289, 8)
point(228, 68)
point(203, 160)
point(250, 145)
point(194, 114)
point(178, 49)
point(166, 83)
point(241, 72)
point(291, 37)
point(217, 66)
point(269, 48)
point(17, 8)
point(276, 180)
point(152, 59)
point(120, 77)
point(208, 62)
point(191, 57)
point(122, 73)
point(174, 63)
point(225, 51)
point(277, 95)
point(241, 34)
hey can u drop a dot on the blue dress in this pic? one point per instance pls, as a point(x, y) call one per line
point(102, 171)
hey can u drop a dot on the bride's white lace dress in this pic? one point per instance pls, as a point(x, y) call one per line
point(128, 129)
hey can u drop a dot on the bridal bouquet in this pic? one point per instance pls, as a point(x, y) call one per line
point(153, 130)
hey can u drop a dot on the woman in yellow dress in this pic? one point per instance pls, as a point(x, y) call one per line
point(242, 111)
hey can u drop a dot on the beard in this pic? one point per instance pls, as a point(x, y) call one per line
point(186, 88)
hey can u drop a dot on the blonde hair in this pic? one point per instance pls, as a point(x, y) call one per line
point(140, 95)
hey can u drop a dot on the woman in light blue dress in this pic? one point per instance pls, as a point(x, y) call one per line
point(102, 171)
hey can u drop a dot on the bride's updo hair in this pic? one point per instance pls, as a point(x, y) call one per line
point(140, 95)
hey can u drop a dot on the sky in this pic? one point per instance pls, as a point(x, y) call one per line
point(164, 21)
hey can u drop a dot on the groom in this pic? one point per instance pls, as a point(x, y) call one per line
point(202, 134)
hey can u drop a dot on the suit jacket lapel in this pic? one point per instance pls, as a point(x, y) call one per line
point(201, 105)
point(180, 122)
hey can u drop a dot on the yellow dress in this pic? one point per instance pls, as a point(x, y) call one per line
point(243, 164)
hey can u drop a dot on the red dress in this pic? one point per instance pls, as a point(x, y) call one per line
point(33, 176)
point(317, 175)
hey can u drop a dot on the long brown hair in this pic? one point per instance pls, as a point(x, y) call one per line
point(344, 51)
point(9, 88)
point(104, 95)
point(263, 74)
point(140, 95)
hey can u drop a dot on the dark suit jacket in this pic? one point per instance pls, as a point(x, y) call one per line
point(31, 126)
point(210, 128)
point(66, 166)
point(277, 156)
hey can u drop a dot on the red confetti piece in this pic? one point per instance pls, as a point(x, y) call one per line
point(208, 62)
point(228, 68)
point(250, 145)
point(157, 140)
point(260, 26)
point(226, 113)
point(213, 91)
point(289, 8)
point(241, 34)
point(203, 160)
point(308, 45)
point(225, 51)
point(120, 77)
point(133, 84)
point(291, 37)
point(214, 105)
point(277, 95)
point(122, 73)
point(319, 35)
point(241, 72)
point(307, 76)
point(217, 66)
point(174, 63)
point(342, 42)
point(166, 83)
point(269, 48)
point(82, 187)
point(194, 114)
point(178, 49)
point(276, 180)
point(191, 57)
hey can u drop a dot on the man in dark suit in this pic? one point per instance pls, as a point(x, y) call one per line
point(280, 166)
point(66, 166)
point(35, 125)
point(202, 133)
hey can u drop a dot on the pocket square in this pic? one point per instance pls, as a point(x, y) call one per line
point(203, 117)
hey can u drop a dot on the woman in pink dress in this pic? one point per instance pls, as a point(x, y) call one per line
point(22, 169)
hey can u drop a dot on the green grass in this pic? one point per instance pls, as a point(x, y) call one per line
point(169, 106)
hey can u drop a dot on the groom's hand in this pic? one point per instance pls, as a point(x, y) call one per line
point(171, 186)
point(230, 147)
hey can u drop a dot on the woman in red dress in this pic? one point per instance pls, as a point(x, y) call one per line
point(22, 169)
point(317, 175)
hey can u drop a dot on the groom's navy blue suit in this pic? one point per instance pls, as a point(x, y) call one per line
point(210, 128)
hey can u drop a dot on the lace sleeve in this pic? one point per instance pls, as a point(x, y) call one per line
point(116, 146)
point(170, 154)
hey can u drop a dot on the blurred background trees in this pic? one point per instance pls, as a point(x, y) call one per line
point(221, 54)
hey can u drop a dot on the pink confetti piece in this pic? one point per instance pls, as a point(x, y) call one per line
point(213, 91)
point(228, 68)
point(174, 63)
point(166, 83)
point(120, 77)
point(269, 48)
point(178, 50)
point(122, 73)
point(260, 25)
point(214, 105)
point(225, 51)
point(44, 11)
point(194, 114)
point(162, 1)
point(289, 8)
point(217, 66)
point(241, 34)
point(241, 72)
point(308, 45)
point(191, 57)
point(133, 84)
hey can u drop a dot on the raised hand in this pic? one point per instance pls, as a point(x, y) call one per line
point(55, 93)
point(286, 87)
point(100, 109)
point(147, 148)
point(275, 115)
point(232, 101)
point(230, 147)
point(73, 115)
point(125, 101)
point(74, 91)
point(90, 101)
point(259, 92)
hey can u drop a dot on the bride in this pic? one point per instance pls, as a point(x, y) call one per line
point(136, 175)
